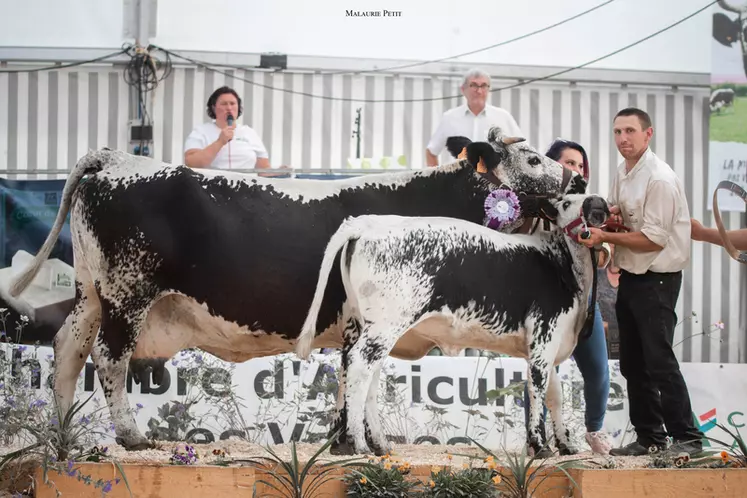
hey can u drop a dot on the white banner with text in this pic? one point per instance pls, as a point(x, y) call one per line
point(435, 400)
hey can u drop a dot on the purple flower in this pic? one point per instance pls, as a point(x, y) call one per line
point(37, 404)
point(54, 421)
point(139, 406)
point(107, 487)
point(501, 208)
point(84, 420)
point(70, 471)
point(22, 348)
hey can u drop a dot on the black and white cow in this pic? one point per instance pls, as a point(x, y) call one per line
point(720, 98)
point(417, 283)
point(169, 258)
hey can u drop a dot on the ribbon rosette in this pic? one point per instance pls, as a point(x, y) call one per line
point(502, 208)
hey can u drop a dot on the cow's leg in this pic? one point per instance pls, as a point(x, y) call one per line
point(120, 327)
point(375, 436)
point(340, 446)
point(74, 340)
point(539, 373)
point(366, 357)
point(555, 405)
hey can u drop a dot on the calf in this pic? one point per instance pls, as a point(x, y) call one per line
point(417, 283)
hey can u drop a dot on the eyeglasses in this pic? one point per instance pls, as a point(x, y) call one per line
point(475, 86)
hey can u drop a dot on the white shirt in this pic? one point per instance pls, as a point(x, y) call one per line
point(243, 152)
point(652, 200)
point(460, 121)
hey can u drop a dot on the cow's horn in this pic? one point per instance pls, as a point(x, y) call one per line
point(512, 140)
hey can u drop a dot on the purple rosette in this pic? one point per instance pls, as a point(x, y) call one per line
point(502, 208)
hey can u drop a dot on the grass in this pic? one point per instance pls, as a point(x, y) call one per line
point(730, 125)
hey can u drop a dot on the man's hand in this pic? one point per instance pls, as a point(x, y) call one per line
point(596, 239)
point(615, 216)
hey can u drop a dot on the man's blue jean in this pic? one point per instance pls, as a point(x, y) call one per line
point(591, 358)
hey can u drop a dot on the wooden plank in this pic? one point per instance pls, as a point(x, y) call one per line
point(162, 481)
point(153, 481)
point(662, 483)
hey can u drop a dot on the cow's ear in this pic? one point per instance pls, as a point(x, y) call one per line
point(455, 145)
point(577, 185)
point(482, 156)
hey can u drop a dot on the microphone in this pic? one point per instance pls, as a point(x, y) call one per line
point(229, 122)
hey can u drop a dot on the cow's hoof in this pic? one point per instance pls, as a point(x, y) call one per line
point(566, 450)
point(343, 448)
point(381, 450)
point(539, 452)
point(544, 453)
point(134, 444)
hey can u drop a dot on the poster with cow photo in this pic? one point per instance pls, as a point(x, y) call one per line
point(728, 103)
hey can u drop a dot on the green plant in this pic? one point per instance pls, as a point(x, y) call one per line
point(59, 443)
point(472, 482)
point(32, 420)
point(381, 478)
point(519, 475)
point(177, 419)
point(736, 455)
point(294, 480)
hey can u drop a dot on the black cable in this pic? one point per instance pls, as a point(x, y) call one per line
point(141, 73)
point(489, 47)
point(64, 66)
point(432, 99)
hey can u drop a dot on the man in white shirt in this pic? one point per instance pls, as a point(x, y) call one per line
point(651, 200)
point(473, 119)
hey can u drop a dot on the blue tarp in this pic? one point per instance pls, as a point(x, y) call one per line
point(28, 210)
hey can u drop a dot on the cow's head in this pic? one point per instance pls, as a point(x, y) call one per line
point(510, 163)
point(574, 213)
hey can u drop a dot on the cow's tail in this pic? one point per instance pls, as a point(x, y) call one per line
point(349, 230)
point(88, 164)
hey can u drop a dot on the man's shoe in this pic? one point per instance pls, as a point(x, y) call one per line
point(692, 448)
point(637, 449)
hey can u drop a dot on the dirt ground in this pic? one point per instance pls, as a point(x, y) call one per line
point(416, 455)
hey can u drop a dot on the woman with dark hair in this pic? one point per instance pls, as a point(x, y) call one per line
point(591, 354)
point(220, 143)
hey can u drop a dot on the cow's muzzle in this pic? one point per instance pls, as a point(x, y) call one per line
point(595, 211)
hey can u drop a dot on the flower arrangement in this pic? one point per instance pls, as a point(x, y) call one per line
point(186, 457)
